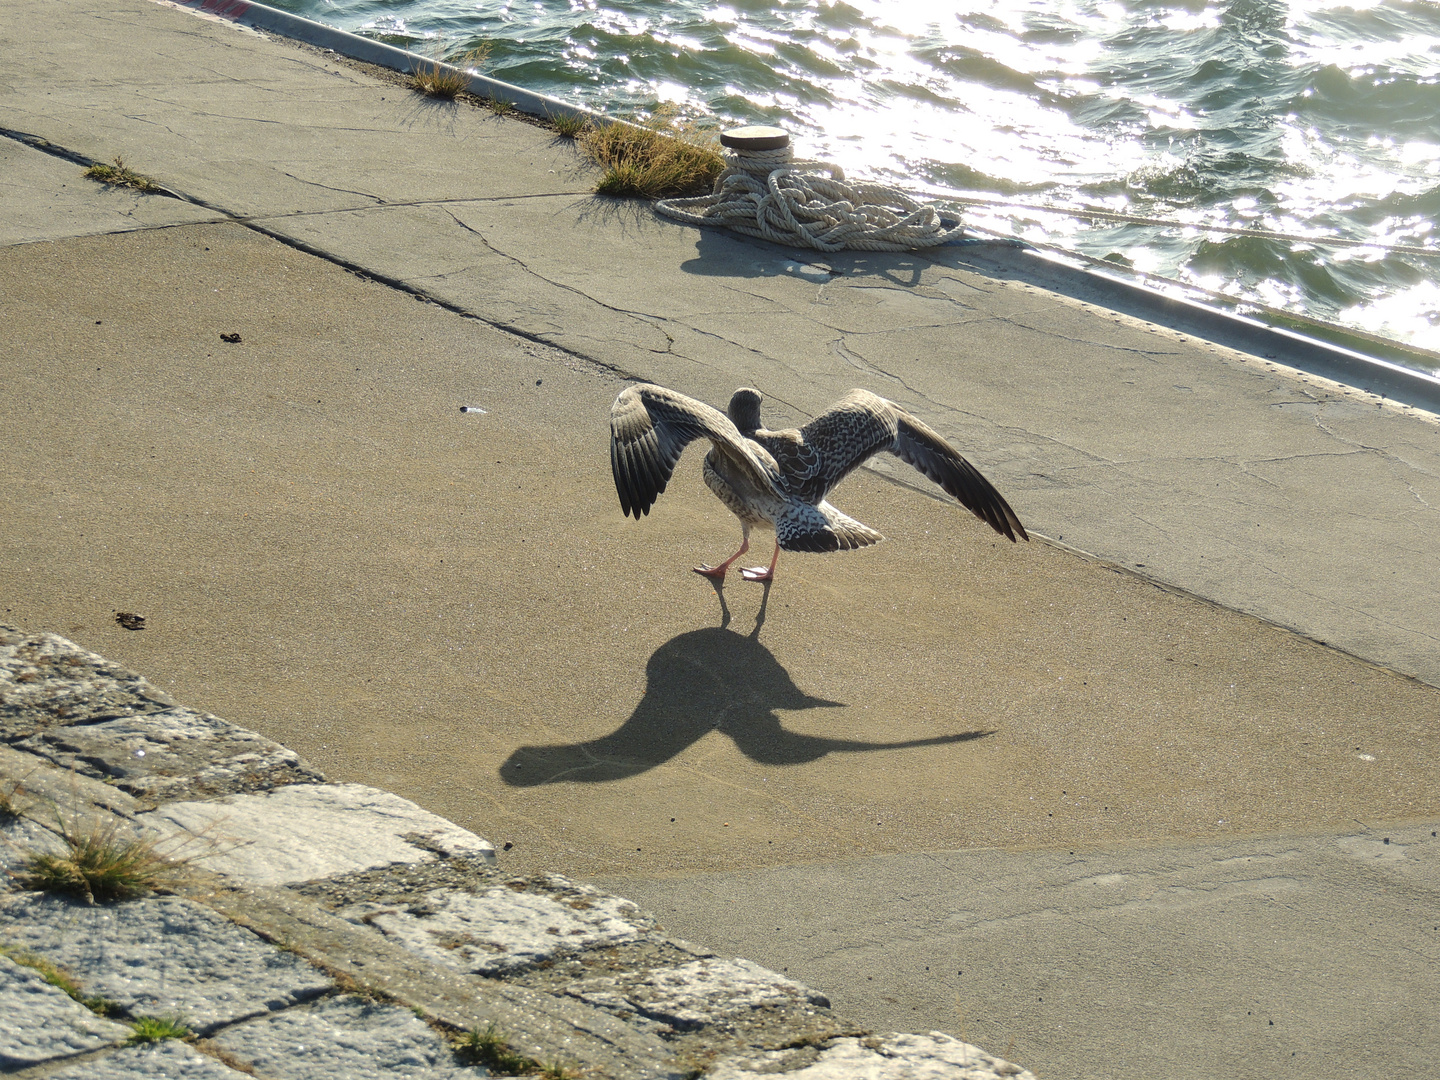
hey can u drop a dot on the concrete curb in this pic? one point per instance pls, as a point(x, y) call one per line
point(1305, 353)
point(261, 17)
point(318, 927)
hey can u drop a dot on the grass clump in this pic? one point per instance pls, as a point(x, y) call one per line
point(664, 158)
point(59, 978)
point(118, 174)
point(490, 1049)
point(446, 79)
point(151, 1029)
point(568, 125)
point(101, 862)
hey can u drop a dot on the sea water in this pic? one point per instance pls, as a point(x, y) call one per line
point(1308, 119)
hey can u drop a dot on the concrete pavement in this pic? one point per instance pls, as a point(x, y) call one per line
point(449, 605)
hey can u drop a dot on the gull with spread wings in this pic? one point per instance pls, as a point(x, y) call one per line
point(781, 478)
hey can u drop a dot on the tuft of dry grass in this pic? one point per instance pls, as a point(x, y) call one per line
point(568, 125)
point(490, 1049)
point(102, 861)
point(119, 174)
point(665, 158)
point(446, 79)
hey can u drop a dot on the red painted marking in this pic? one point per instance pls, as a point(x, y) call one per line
point(225, 9)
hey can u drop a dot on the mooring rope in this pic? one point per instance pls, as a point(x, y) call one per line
point(771, 195)
point(768, 193)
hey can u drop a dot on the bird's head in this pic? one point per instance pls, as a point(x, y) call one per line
point(745, 409)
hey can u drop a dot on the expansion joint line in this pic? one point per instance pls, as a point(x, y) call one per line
point(45, 146)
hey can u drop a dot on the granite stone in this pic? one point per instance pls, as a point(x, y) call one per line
point(935, 1056)
point(168, 1060)
point(162, 956)
point(306, 831)
point(47, 681)
point(507, 928)
point(171, 755)
point(40, 1022)
point(698, 994)
point(343, 1037)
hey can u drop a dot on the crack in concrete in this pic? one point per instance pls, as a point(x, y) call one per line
point(645, 317)
point(394, 204)
point(328, 187)
point(859, 363)
point(897, 329)
point(1382, 452)
point(1150, 354)
point(1418, 497)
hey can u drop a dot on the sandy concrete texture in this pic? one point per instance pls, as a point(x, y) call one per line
point(450, 605)
point(1306, 955)
point(1190, 462)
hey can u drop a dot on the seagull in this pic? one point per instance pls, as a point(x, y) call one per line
point(779, 479)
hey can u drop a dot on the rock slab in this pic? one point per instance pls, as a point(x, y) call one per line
point(40, 1022)
point(164, 956)
point(305, 831)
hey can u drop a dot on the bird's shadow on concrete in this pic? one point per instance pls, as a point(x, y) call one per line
point(701, 681)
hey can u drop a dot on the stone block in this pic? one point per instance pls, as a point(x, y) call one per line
point(21, 838)
point(699, 994)
point(40, 1022)
point(47, 681)
point(40, 790)
point(171, 755)
point(507, 928)
point(308, 831)
point(342, 1037)
point(935, 1056)
point(168, 1060)
point(163, 956)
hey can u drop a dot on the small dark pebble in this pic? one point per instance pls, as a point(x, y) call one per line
point(508, 846)
point(233, 339)
point(129, 620)
point(537, 382)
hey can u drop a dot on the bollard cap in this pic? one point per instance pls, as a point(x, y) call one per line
point(755, 137)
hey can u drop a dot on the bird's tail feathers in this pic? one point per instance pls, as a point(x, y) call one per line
point(821, 528)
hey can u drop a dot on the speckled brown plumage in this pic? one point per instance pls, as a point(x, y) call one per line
point(782, 478)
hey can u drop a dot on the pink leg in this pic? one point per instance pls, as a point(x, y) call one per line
point(762, 573)
point(717, 573)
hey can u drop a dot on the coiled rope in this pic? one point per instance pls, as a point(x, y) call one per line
point(768, 194)
point(765, 192)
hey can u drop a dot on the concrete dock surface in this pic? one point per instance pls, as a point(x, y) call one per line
point(1114, 803)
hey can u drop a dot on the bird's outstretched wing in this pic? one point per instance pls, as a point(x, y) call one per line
point(862, 424)
point(649, 428)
